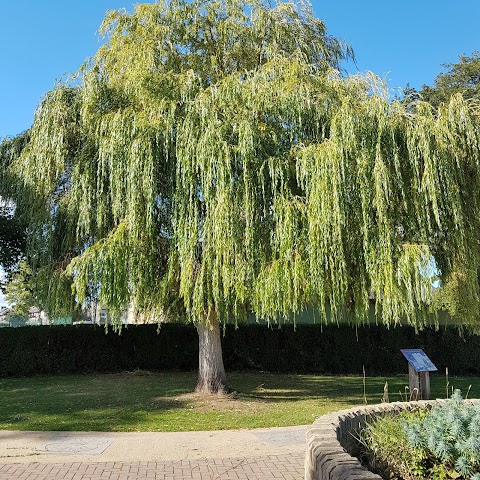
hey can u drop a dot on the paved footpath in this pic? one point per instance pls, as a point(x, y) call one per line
point(287, 467)
point(266, 454)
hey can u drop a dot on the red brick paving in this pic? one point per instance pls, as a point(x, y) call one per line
point(284, 467)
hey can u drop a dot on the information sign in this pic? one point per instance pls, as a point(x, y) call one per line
point(418, 360)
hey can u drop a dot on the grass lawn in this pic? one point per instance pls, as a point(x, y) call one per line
point(142, 401)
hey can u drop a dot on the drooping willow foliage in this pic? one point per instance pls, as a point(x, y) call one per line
point(211, 156)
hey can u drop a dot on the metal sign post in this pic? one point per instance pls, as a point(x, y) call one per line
point(419, 366)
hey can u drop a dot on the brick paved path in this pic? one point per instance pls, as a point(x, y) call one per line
point(284, 467)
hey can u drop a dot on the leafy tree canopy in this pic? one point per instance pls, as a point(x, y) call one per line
point(12, 225)
point(210, 152)
point(457, 295)
point(12, 238)
point(19, 290)
point(462, 77)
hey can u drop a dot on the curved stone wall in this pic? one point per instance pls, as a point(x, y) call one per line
point(332, 444)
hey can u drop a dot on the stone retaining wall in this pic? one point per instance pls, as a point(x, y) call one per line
point(332, 443)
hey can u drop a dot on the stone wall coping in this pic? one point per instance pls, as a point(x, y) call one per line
point(332, 443)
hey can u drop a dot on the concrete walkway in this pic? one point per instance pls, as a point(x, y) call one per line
point(220, 455)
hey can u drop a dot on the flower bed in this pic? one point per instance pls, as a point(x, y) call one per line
point(438, 444)
point(332, 440)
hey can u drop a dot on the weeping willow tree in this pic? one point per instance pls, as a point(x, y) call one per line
point(210, 156)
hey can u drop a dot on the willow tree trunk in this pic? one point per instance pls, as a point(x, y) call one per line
point(211, 372)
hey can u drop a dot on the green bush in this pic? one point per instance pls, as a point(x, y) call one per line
point(88, 348)
point(438, 444)
point(386, 450)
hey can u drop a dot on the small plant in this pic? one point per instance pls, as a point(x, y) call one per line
point(18, 418)
point(450, 436)
point(385, 398)
point(447, 382)
point(409, 395)
point(440, 444)
point(387, 451)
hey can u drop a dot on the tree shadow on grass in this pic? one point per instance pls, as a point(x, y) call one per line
point(165, 402)
point(291, 388)
point(89, 402)
point(344, 389)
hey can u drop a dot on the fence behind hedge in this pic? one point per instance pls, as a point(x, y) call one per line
point(308, 349)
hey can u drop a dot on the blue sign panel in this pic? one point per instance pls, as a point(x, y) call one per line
point(418, 360)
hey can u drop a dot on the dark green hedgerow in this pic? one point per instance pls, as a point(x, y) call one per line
point(306, 349)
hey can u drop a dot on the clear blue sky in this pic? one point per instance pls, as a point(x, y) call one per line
point(403, 42)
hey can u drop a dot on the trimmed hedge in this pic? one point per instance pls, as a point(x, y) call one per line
point(87, 348)
point(306, 349)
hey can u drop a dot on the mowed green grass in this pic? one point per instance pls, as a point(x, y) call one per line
point(142, 401)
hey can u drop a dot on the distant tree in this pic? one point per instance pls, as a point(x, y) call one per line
point(25, 220)
point(462, 77)
point(12, 239)
point(12, 227)
point(409, 97)
point(210, 154)
point(19, 291)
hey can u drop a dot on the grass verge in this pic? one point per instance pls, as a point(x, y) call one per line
point(142, 401)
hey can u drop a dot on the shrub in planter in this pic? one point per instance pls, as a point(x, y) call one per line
point(438, 444)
